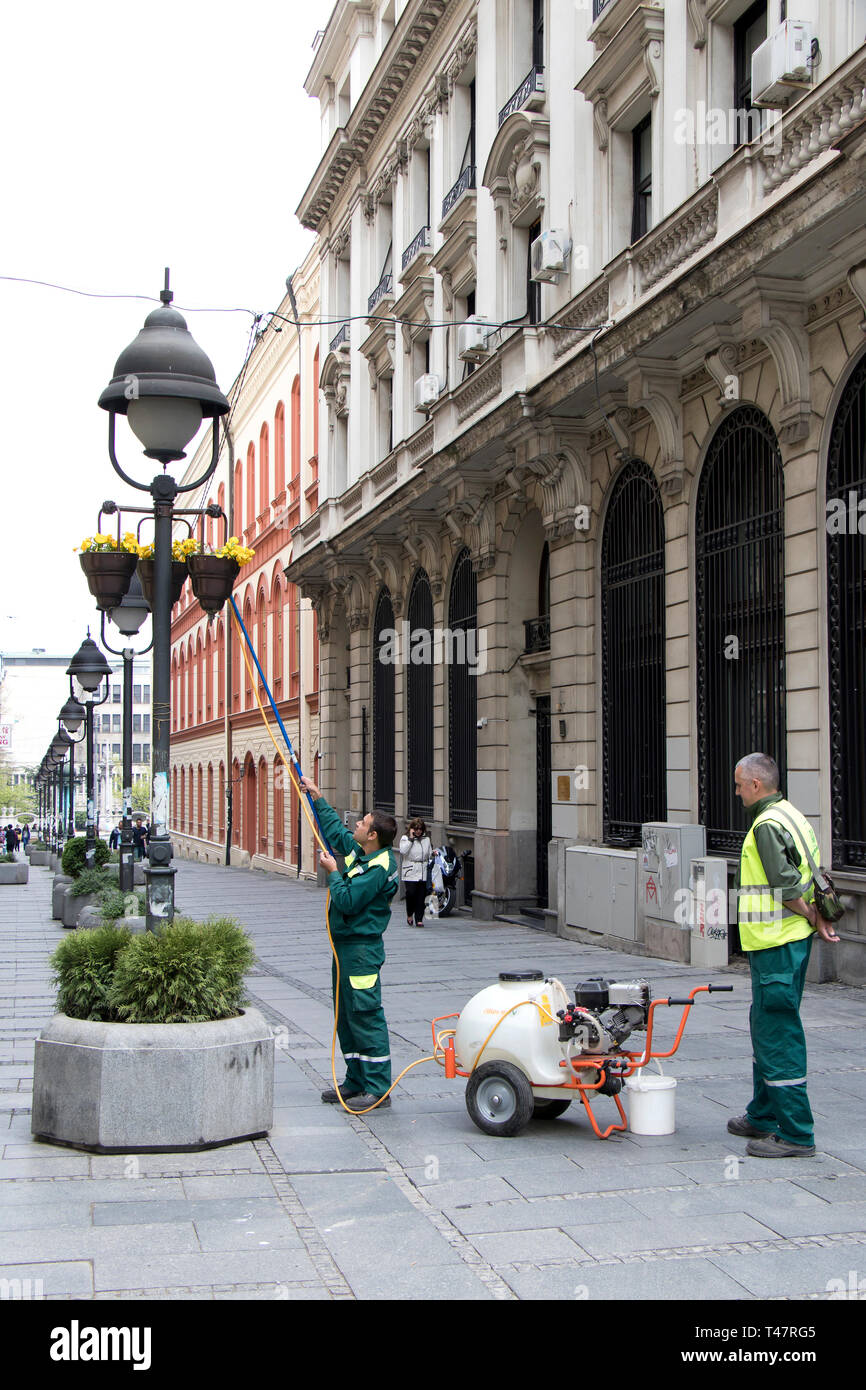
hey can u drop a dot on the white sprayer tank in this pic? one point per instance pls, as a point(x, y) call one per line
point(529, 1035)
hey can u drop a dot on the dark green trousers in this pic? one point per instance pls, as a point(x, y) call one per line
point(780, 1104)
point(361, 1027)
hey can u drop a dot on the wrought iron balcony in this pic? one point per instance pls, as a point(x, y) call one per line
point(340, 339)
point(421, 242)
point(598, 6)
point(528, 93)
point(463, 184)
point(384, 288)
point(537, 634)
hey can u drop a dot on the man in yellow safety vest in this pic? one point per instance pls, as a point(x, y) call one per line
point(778, 921)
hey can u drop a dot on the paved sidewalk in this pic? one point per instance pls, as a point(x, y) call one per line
point(415, 1202)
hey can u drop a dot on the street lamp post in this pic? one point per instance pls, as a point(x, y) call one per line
point(71, 717)
point(128, 617)
point(90, 669)
point(165, 385)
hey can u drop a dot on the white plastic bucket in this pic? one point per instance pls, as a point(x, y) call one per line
point(651, 1103)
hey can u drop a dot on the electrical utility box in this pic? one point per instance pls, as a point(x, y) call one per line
point(664, 863)
point(600, 890)
point(709, 904)
point(664, 859)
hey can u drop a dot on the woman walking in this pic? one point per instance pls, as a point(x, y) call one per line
point(416, 848)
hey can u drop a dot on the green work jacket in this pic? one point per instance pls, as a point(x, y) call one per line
point(360, 907)
point(774, 870)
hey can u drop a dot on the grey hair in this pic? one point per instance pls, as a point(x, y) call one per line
point(762, 768)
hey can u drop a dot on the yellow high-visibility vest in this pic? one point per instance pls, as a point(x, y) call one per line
point(762, 918)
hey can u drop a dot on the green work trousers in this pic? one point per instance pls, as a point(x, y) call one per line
point(361, 1026)
point(780, 1104)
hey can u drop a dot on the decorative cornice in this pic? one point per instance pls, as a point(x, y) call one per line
point(481, 387)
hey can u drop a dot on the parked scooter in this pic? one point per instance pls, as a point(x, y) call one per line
point(451, 868)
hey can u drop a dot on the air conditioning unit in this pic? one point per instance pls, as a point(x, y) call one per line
point(549, 255)
point(781, 66)
point(472, 339)
point(426, 391)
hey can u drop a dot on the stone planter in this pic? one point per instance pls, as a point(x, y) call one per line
point(14, 873)
point(74, 905)
point(153, 1087)
point(39, 858)
point(58, 889)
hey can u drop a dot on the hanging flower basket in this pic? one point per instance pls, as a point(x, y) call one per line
point(108, 575)
point(179, 573)
point(212, 578)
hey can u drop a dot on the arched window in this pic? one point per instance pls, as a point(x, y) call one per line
point(221, 669)
point(294, 643)
point(296, 440)
point(183, 685)
point(182, 821)
point(846, 612)
point(251, 487)
point(264, 468)
point(221, 803)
point(221, 503)
point(248, 664)
point(237, 802)
point(419, 698)
point(279, 810)
point(238, 503)
point(200, 793)
point(238, 677)
point(174, 804)
point(740, 590)
point(190, 690)
point(210, 801)
point(383, 704)
point(634, 780)
point(462, 698)
point(208, 525)
point(280, 450)
point(199, 674)
point(174, 693)
point(277, 635)
point(263, 806)
point(261, 640)
point(208, 677)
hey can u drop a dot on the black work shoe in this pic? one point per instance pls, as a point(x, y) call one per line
point(742, 1126)
point(331, 1097)
point(774, 1147)
point(366, 1102)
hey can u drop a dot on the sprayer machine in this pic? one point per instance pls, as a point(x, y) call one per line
point(528, 1050)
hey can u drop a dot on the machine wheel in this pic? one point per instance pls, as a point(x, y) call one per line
point(499, 1099)
point(447, 899)
point(549, 1109)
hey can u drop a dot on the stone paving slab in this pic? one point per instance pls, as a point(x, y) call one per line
point(415, 1202)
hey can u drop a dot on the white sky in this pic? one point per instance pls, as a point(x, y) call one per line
point(134, 137)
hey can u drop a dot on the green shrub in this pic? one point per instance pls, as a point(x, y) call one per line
point(187, 972)
point(74, 855)
point(83, 966)
point(113, 903)
point(38, 844)
point(89, 881)
point(8, 859)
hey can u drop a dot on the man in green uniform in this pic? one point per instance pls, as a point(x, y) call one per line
point(778, 921)
point(360, 910)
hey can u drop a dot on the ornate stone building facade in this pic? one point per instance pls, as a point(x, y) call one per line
point(230, 792)
point(644, 493)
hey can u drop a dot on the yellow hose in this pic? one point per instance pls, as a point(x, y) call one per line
point(325, 849)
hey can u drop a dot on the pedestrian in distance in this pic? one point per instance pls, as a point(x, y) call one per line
point(139, 838)
point(359, 912)
point(10, 838)
point(114, 837)
point(416, 847)
point(778, 922)
point(25, 836)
